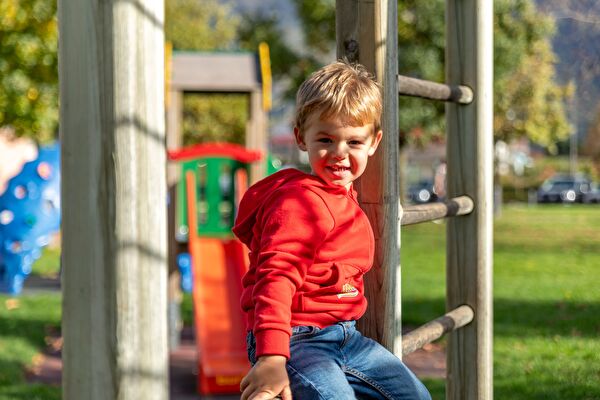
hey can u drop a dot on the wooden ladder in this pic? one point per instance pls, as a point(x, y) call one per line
point(366, 32)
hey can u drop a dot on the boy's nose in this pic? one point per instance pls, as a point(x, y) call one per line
point(340, 151)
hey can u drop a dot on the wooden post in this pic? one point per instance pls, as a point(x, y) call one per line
point(469, 61)
point(114, 200)
point(367, 32)
point(174, 136)
point(256, 134)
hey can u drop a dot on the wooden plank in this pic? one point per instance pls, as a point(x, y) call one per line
point(418, 213)
point(367, 32)
point(469, 61)
point(113, 193)
point(434, 91)
point(437, 328)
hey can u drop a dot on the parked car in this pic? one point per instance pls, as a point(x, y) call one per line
point(593, 196)
point(422, 192)
point(563, 189)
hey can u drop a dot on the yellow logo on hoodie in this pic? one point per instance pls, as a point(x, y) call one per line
point(348, 291)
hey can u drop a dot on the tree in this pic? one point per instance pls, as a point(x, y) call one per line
point(28, 68)
point(592, 142)
point(529, 102)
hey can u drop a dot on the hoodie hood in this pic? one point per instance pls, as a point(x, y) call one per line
point(255, 197)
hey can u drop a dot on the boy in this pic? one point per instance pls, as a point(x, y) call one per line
point(310, 244)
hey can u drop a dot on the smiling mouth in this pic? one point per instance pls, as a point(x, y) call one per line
point(338, 168)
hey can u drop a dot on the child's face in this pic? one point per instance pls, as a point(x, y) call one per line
point(337, 153)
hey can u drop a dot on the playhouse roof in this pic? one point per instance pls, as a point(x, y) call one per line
point(230, 150)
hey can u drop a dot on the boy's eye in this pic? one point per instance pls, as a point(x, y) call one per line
point(324, 140)
point(356, 142)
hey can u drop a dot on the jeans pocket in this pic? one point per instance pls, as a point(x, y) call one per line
point(303, 332)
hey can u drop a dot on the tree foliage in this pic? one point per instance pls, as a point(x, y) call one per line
point(287, 65)
point(214, 117)
point(200, 25)
point(528, 100)
point(28, 67)
point(592, 141)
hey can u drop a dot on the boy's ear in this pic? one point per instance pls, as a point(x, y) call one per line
point(299, 139)
point(375, 143)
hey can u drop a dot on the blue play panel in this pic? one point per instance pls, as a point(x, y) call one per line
point(29, 215)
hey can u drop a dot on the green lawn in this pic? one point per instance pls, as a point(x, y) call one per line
point(25, 321)
point(546, 300)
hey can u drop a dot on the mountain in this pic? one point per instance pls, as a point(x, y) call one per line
point(577, 47)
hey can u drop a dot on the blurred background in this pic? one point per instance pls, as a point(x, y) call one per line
point(547, 169)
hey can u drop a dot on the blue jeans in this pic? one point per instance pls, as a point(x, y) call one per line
point(339, 363)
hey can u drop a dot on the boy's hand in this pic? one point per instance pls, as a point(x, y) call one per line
point(266, 380)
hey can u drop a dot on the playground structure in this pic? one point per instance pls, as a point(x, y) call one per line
point(215, 177)
point(209, 72)
point(134, 366)
point(29, 215)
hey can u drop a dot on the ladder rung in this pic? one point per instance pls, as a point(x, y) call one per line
point(437, 328)
point(434, 91)
point(428, 212)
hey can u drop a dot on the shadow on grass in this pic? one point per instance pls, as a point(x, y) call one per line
point(521, 387)
point(31, 330)
point(526, 388)
point(520, 318)
point(30, 392)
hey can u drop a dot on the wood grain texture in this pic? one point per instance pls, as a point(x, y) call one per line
point(437, 328)
point(256, 135)
point(408, 86)
point(418, 213)
point(367, 32)
point(113, 199)
point(469, 61)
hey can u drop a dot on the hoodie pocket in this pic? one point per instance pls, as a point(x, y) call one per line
point(341, 288)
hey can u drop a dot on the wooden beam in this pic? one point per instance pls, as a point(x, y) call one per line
point(174, 141)
point(256, 135)
point(469, 61)
point(437, 328)
point(367, 32)
point(114, 200)
point(418, 213)
point(434, 91)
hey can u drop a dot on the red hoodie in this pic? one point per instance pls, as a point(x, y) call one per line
point(310, 245)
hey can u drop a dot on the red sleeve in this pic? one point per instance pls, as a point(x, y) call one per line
point(295, 224)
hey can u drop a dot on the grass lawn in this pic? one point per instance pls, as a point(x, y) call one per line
point(546, 305)
point(25, 321)
point(546, 299)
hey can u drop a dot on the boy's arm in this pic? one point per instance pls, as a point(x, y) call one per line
point(266, 380)
point(295, 226)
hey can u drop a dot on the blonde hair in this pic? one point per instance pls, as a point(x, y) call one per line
point(341, 89)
